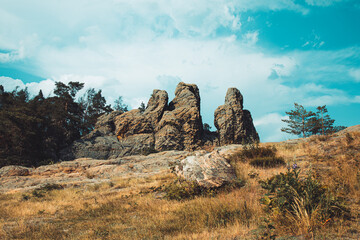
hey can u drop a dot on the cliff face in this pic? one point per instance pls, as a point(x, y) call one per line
point(165, 126)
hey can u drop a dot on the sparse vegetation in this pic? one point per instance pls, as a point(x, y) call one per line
point(320, 205)
point(267, 162)
point(303, 203)
point(181, 189)
point(258, 156)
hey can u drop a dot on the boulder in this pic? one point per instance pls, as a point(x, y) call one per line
point(13, 170)
point(234, 124)
point(209, 170)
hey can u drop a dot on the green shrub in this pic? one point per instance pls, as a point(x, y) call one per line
point(267, 162)
point(181, 189)
point(287, 192)
point(254, 151)
point(41, 191)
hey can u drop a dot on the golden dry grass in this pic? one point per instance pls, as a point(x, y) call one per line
point(125, 208)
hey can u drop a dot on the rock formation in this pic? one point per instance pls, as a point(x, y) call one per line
point(181, 125)
point(209, 170)
point(234, 124)
point(164, 126)
point(101, 143)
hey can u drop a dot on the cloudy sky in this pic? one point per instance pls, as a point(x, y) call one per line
point(275, 52)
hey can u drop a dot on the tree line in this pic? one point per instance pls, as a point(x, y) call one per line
point(33, 130)
point(305, 123)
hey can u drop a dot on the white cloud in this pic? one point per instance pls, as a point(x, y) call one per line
point(47, 86)
point(10, 84)
point(270, 126)
point(322, 3)
point(251, 38)
point(11, 56)
point(355, 73)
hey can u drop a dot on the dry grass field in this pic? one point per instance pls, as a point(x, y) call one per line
point(128, 208)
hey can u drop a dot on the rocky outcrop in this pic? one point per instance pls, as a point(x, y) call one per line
point(165, 126)
point(105, 124)
point(210, 170)
point(234, 124)
point(135, 130)
point(162, 126)
point(12, 170)
point(181, 125)
point(101, 143)
point(87, 171)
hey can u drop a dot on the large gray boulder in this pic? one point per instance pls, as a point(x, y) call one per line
point(209, 170)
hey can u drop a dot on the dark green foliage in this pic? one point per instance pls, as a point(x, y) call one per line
point(306, 123)
point(267, 162)
point(206, 127)
point(259, 156)
point(119, 105)
point(253, 151)
point(34, 130)
point(93, 105)
point(300, 121)
point(142, 107)
point(18, 128)
point(181, 189)
point(41, 191)
point(322, 124)
point(286, 188)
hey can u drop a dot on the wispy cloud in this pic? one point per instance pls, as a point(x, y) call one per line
point(355, 74)
point(323, 3)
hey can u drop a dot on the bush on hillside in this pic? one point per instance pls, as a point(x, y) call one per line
point(258, 156)
point(181, 189)
point(303, 202)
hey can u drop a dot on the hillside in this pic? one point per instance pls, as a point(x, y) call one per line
point(129, 197)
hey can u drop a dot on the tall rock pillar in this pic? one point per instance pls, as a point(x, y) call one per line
point(234, 124)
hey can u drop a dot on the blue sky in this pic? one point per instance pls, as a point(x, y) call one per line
point(275, 52)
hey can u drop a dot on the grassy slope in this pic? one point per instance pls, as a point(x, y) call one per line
point(126, 209)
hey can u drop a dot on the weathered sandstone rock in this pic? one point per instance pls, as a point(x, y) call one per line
point(86, 171)
point(165, 126)
point(181, 125)
point(105, 124)
point(234, 124)
point(209, 170)
point(12, 170)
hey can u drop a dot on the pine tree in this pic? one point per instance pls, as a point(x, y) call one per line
point(300, 121)
point(142, 107)
point(93, 105)
point(18, 129)
point(65, 114)
point(323, 124)
point(120, 106)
